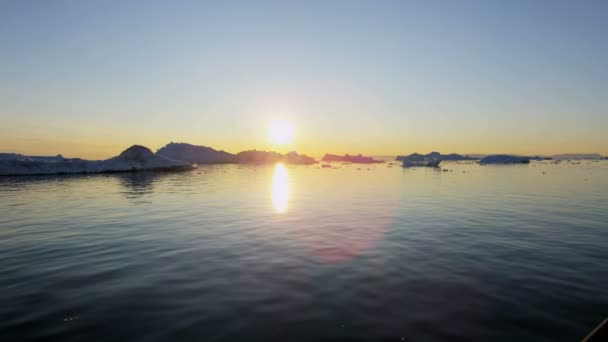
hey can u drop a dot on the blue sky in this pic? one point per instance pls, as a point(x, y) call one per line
point(90, 78)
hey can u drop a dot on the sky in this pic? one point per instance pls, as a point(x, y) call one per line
point(91, 78)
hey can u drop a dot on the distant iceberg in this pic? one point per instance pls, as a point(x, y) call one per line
point(135, 158)
point(270, 157)
point(421, 163)
point(196, 154)
point(433, 156)
point(429, 160)
point(358, 159)
point(294, 157)
point(578, 156)
point(504, 159)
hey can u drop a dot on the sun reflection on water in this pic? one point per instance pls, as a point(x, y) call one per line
point(280, 188)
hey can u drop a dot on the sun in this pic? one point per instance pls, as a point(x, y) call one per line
point(280, 132)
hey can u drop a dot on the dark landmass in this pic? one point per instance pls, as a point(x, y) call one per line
point(358, 159)
point(504, 159)
point(196, 154)
point(135, 158)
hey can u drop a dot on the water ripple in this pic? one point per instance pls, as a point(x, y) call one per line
point(480, 253)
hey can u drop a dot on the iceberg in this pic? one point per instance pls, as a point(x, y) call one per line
point(135, 158)
point(196, 154)
point(270, 157)
point(140, 158)
point(423, 163)
point(426, 160)
point(577, 156)
point(207, 155)
point(416, 157)
point(504, 159)
point(294, 158)
point(358, 159)
point(430, 160)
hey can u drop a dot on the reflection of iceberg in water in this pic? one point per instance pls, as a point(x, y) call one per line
point(280, 188)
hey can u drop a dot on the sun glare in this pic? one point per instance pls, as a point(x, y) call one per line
point(280, 132)
point(280, 188)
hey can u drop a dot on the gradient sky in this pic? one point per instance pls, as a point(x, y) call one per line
point(90, 78)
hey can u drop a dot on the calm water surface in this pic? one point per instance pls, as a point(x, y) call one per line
point(228, 253)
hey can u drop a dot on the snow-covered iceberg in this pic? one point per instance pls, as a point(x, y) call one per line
point(135, 158)
point(504, 159)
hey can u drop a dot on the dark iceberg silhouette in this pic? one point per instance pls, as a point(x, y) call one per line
point(577, 156)
point(430, 160)
point(294, 158)
point(434, 156)
point(358, 159)
point(270, 157)
point(196, 154)
point(135, 158)
point(178, 156)
point(504, 159)
point(258, 157)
